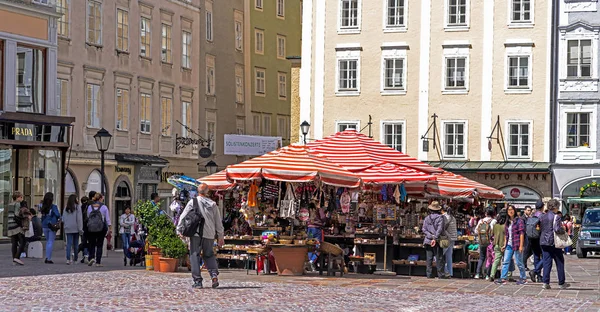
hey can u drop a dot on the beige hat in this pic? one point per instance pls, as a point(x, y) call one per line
point(435, 206)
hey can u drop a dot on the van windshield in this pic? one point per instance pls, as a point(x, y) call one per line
point(592, 217)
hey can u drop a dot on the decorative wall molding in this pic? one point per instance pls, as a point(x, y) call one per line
point(578, 85)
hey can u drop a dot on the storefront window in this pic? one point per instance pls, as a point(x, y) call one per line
point(30, 80)
point(6, 169)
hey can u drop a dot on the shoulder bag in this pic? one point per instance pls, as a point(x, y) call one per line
point(561, 240)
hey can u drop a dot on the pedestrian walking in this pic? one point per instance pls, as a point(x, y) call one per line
point(203, 244)
point(532, 231)
point(50, 223)
point(126, 222)
point(550, 224)
point(98, 227)
point(451, 233)
point(16, 232)
point(568, 224)
point(483, 230)
point(85, 202)
point(73, 227)
point(514, 244)
point(498, 243)
point(433, 228)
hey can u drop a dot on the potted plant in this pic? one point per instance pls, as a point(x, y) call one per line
point(173, 249)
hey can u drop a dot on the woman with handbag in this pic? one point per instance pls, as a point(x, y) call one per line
point(50, 223)
point(553, 239)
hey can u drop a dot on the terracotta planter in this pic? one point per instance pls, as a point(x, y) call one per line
point(156, 262)
point(168, 265)
point(290, 259)
point(152, 250)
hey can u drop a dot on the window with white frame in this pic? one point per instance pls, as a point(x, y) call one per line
point(395, 14)
point(256, 124)
point(280, 8)
point(259, 81)
point(519, 140)
point(456, 67)
point(94, 22)
point(521, 11)
point(456, 72)
point(122, 30)
point(457, 13)
point(239, 35)
point(519, 72)
point(393, 135)
point(93, 105)
point(145, 112)
point(210, 75)
point(62, 96)
point(122, 109)
point(62, 7)
point(166, 44)
point(454, 139)
point(186, 49)
point(145, 37)
point(239, 84)
point(209, 25)
point(345, 125)
point(393, 69)
point(258, 4)
point(348, 71)
point(579, 58)
point(349, 15)
point(166, 116)
point(578, 129)
point(281, 46)
point(266, 128)
point(186, 117)
point(282, 85)
point(211, 127)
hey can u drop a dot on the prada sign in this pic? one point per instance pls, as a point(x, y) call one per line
point(33, 132)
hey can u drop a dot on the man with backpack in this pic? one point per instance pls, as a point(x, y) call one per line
point(483, 230)
point(98, 225)
point(532, 231)
point(201, 222)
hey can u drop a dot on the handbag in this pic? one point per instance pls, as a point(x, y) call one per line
point(443, 241)
point(288, 205)
point(54, 227)
point(561, 240)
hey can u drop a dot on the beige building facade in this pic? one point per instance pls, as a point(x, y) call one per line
point(480, 67)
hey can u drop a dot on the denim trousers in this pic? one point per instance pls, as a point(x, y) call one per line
point(50, 237)
point(508, 256)
point(317, 234)
point(482, 260)
point(126, 237)
point(549, 254)
point(448, 251)
point(72, 241)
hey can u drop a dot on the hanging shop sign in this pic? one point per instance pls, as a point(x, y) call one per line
point(520, 193)
point(250, 145)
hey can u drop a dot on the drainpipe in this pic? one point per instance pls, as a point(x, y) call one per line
point(554, 86)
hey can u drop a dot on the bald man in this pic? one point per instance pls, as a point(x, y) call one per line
point(213, 229)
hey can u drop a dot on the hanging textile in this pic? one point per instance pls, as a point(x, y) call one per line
point(252, 195)
point(289, 204)
point(345, 202)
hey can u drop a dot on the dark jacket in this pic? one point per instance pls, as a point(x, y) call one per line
point(549, 223)
point(433, 227)
point(37, 229)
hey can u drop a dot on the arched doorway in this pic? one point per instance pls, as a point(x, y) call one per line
point(70, 185)
point(122, 201)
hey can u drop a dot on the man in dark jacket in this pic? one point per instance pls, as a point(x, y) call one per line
point(37, 227)
point(433, 228)
point(550, 223)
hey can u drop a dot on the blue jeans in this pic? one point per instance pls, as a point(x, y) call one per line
point(72, 240)
point(552, 253)
point(508, 256)
point(448, 254)
point(317, 234)
point(50, 237)
point(126, 237)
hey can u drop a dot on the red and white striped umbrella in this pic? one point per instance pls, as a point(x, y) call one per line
point(353, 151)
point(217, 181)
point(453, 185)
point(387, 173)
point(293, 163)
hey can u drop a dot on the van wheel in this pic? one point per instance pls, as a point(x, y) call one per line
point(581, 253)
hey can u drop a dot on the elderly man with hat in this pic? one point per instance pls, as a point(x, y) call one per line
point(433, 228)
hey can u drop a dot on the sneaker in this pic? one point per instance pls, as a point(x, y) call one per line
point(23, 255)
point(546, 286)
point(501, 282)
point(68, 262)
point(532, 276)
point(48, 261)
point(564, 286)
point(522, 282)
point(197, 285)
point(477, 276)
point(91, 262)
point(18, 261)
point(312, 267)
point(487, 278)
point(99, 265)
point(539, 278)
point(215, 282)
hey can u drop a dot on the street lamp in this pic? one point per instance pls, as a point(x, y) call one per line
point(305, 127)
point(211, 167)
point(102, 138)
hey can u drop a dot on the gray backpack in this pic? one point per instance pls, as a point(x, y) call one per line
point(95, 222)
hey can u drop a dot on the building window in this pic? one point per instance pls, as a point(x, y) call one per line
point(454, 139)
point(186, 48)
point(343, 126)
point(394, 74)
point(281, 8)
point(210, 134)
point(62, 96)
point(45, 2)
point(210, 75)
point(62, 7)
point(93, 101)
point(186, 117)
point(31, 69)
point(166, 44)
point(239, 84)
point(122, 109)
point(579, 58)
point(457, 13)
point(145, 112)
point(256, 124)
point(395, 14)
point(282, 85)
point(578, 129)
point(240, 126)
point(259, 43)
point(456, 72)
point(518, 139)
point(260, 80)
point(122, 30)
point(266, 125)
point(239, 36)
point(393, 135)
point(258, 4)
point(518, 72)
point(94, 22)
point(347, 75)
point(280, 47)
point(349, 14)
point(145, 37)
point(166, 115)
point(209, 25)
point(283, 128)
point(521, 11)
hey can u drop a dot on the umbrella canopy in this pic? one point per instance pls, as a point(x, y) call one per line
point(354, 151)
point(183, 182)
point(388, 173)
point(293, 163)
point(453, 185)
point(217, 181)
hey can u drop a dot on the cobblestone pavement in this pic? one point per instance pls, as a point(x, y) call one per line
point(59, 287)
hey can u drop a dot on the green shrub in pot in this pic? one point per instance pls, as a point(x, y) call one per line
point(173, 247)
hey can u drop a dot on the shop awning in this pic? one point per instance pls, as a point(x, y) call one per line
point(293, 163)
point(455, 186)
point(387, 173)
point(217, 181)
point(39, 119)
point(353, 151)
point(138, 158)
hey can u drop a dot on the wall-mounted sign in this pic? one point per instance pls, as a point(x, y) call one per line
point(121, 169)
point(515, 176)
point(250, 145)
point(520, 193)
point(205, 152)
point(31, 132)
